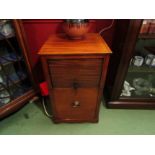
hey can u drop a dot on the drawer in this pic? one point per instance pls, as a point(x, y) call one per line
point(71, 105)
point(80, 72)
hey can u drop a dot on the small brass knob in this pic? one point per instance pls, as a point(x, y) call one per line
point(76, 104)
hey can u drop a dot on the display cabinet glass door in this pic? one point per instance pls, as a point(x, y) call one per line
point(14, 79)
point(139, 82)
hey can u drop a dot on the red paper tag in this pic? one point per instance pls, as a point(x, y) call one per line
point(44, 89)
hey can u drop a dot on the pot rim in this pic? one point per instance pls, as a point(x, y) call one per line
point(76, 21)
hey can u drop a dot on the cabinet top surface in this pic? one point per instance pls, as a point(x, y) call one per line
point(58, 44)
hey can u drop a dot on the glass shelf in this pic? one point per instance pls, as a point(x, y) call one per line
point(139, 85)
point(143, 69)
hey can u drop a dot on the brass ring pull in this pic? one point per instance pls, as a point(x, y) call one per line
point(76, 104)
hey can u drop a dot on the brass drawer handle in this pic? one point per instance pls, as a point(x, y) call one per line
point(76, 104)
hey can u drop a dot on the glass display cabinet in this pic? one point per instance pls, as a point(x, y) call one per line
point(16, 80)
point(131, 75)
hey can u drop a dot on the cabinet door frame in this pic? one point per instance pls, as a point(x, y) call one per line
point(24, 46)
point(127, 53)
point(20, 101)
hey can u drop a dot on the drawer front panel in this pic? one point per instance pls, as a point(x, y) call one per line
point(75, 105)
point(68, 73)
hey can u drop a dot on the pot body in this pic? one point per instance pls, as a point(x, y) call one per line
point(76, 28)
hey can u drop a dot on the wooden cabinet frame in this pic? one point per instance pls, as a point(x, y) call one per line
point(126, 34)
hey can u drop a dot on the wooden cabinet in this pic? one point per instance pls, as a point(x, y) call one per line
point(16, 78)
point(131, 74)
point(75, 71)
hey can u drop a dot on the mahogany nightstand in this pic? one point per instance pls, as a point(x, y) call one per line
point(75, 71)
